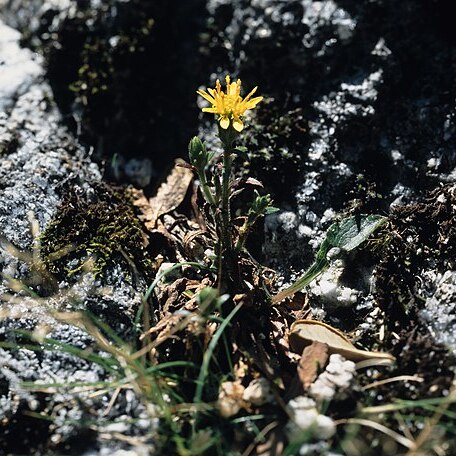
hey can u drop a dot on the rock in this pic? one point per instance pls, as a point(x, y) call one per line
point(439, 311)
point(362, 115)
point(39, 161)
point(19, 67)
point(329, 290)
point(121, 71)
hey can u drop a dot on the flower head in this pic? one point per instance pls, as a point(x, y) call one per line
point(229, 106)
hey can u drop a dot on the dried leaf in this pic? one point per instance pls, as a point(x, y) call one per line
point(246, 181)
point(313, 359)
point(170, 194)
point(140, 201)
point(304, 332)
point(298, 306)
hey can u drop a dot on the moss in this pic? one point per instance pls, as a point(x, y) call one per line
point(103, 228)
point(419, 238)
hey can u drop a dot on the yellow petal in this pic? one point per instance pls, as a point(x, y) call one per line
point(232, 89)
point(250, 94)
point(224, 122)
point(206, 96)
point(238, 87)
point(212, 110)
point(253, 102)
point(238, 125)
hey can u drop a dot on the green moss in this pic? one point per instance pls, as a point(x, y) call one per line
point(102, 228)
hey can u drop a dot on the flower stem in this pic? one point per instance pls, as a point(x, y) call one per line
point(225, 203)
point(243, 231)
point(206, 190)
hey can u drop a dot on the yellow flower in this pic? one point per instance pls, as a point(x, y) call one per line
point(229, 106)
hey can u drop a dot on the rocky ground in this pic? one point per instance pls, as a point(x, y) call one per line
point(98, 98)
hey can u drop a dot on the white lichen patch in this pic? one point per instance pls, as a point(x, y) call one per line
point(305, 417)
point(337, 377)
point(440, 309)
point(328, 289)
point(258, 392)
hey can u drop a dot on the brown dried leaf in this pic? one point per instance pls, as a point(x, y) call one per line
point(171, 297)
point(246, 180)
point(313, 359)
point(304, 332)
point(165, 329)
point(298, 306)
point(170, 194)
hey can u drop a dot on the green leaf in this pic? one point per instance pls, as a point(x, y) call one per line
point(353, 231)
point(346, 235)
point(272, 210)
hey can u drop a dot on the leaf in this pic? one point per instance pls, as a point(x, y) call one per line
point(353, 231)
point(314, 357)
point(346, 235)
point(272, 210)
point(305, 332)
point(170, 194)
point(246, 180)
point(253, 181)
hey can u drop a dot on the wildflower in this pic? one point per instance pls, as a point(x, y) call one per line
point(229, 106)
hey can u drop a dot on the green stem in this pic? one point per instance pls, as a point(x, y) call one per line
point(225, 206)
point(206, 189)
point(314, 271)
point(244, 231)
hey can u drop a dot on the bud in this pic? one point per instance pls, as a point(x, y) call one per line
point(261, 205)
point(197, 153)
